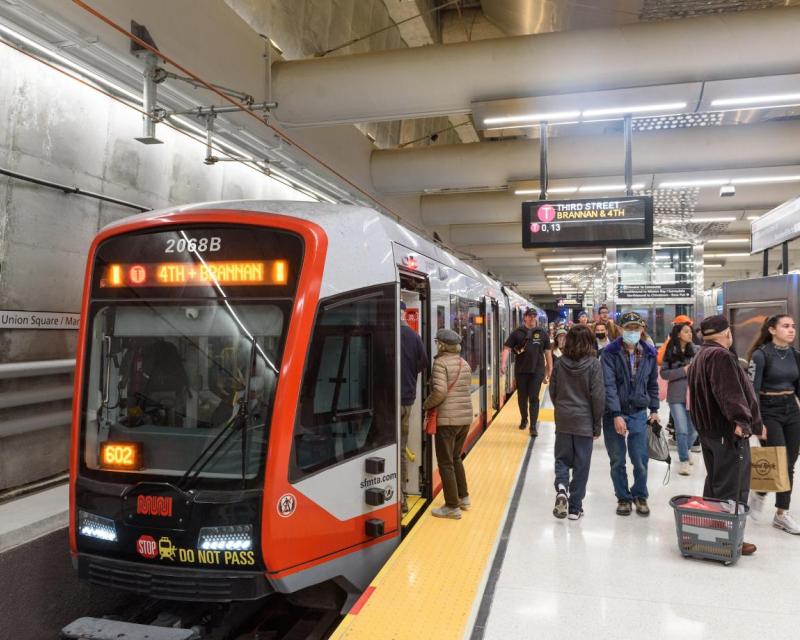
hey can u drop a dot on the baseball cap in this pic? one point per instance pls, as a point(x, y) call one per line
point(530, 311)
point(631, 318)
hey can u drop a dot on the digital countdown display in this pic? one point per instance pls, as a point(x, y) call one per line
point(607, 222)
point(190, 274)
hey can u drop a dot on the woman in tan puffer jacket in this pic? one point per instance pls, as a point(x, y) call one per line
point(450, 395)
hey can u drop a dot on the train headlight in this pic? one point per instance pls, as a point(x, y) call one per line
point(93, 526)
point(233, 538)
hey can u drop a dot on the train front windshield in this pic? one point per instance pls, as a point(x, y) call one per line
point(184, 351)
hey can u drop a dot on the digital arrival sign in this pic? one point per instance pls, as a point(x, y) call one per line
point(605, 222)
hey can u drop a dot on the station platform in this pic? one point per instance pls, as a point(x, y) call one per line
point(432, 585)
point(509, 569)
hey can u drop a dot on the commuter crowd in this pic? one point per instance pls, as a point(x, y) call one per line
point(607, 379)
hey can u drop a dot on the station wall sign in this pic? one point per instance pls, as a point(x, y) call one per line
point(776, 227)
point(39, 320)
point(629, 291)
point(604, 222)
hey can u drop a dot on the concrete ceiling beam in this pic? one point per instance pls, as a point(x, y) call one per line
point(446, 79)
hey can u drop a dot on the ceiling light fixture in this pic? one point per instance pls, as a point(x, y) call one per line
point(717, 182)
point(622, 111)
point(572, 268)
point(751, 218)
point(599, 188)
point(728, 255)
point(732, 102)
point(554, 190)
point(727, 240)
point(698, 220)
point(575, 259)
point(711, 265)
point(533, 117)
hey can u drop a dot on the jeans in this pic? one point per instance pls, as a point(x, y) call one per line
point(636, 447)
point(685, 433)
point(782, 419)
point(449, 443)
point(528, 387)
point(573, 452)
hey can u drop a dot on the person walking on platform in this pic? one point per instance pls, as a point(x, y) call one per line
point(631, 381)
point(558, 349)
point(579, 398)
point(450, 395)
point(533, 365)
point(775, 372)
point(601, 336)
point(413, 361)
point(604, 318)
point(726, 414)
point(674, 370)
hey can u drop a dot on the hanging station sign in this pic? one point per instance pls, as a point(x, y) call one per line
point(776, 227)
point(652, 291)
point(606, 222)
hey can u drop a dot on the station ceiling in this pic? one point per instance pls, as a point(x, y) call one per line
point(420, 78)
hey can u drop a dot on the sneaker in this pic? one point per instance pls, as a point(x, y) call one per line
point(787, 523)
point(641, 506)
point(523, 425)
point(756, 503)
point(623, 508)
point(685, 469)
point(465, 503)
point(560, 509)
point(575, 515)
point(454, 513)
point(748, 548)
point(404, 506)
point(696, 448)
point(691, 460)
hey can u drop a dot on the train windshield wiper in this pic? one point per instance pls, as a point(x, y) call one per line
point(236, 423)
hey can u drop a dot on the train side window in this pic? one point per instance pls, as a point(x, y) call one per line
point(347, 401)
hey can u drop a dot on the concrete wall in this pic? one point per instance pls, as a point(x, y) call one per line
point(57, 129)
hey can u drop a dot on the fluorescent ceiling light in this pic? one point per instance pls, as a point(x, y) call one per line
point(533, 117)
point(709, 182)
point(753, 217)
point(727, 240)
point(765, 179)
point(700, 220)
point(598, 188)
point(645, 108)
point(709, 265)
point(572, 268)
point(728, 255)
point(575, 259)
point(732, 102)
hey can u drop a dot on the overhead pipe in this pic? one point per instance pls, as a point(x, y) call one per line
point(494, 164)
point(443, 80)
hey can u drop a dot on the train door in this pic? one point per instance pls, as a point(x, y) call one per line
point(417, 455)
point(494, 343)
point(487, 374)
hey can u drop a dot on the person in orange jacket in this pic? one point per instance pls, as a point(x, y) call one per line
point(663, 348)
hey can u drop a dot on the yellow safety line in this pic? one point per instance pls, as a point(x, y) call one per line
point(431, 586)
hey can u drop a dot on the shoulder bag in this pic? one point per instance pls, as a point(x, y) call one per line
point(433, 414)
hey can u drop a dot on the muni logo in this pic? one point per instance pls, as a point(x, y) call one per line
point(154, 506)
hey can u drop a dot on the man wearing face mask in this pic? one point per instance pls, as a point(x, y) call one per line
point(631, 381)
point(601, 336)
point(725, 412)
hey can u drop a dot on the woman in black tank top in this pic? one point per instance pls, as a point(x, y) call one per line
point(775, 371)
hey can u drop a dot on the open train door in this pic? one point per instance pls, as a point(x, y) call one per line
point(494, 341)
point(417, 456)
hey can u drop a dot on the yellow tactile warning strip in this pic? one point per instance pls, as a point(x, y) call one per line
point(415, 503)
point(432, 584)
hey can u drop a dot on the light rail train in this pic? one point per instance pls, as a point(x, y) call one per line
point(236, 419)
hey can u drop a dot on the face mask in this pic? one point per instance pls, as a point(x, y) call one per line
point(600, 336)
point(631, 337)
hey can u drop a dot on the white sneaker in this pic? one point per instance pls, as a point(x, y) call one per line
point(454, 513)
point(685, 469)
point(576, 516)
point(756, 503)
point(691, 460)
point(464, 503)
point(787, 523)
point(696, 449)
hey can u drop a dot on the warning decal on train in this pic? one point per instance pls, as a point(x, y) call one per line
point(287, 503)
point(165, 550)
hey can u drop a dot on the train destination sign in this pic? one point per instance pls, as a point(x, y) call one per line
point(679, 290)
point(608, 222)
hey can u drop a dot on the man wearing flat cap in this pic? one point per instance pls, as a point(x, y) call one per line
point(725, 412)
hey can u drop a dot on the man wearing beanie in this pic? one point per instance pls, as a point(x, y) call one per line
point(725, 412)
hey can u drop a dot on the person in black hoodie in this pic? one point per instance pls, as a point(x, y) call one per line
point(578, 394)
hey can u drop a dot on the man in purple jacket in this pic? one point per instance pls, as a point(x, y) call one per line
point(725, 412)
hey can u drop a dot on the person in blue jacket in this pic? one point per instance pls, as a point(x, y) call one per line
point(630, 373)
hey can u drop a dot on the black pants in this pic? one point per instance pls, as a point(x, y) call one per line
point(782, 418)
point(724, 469)
point(528, 387)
